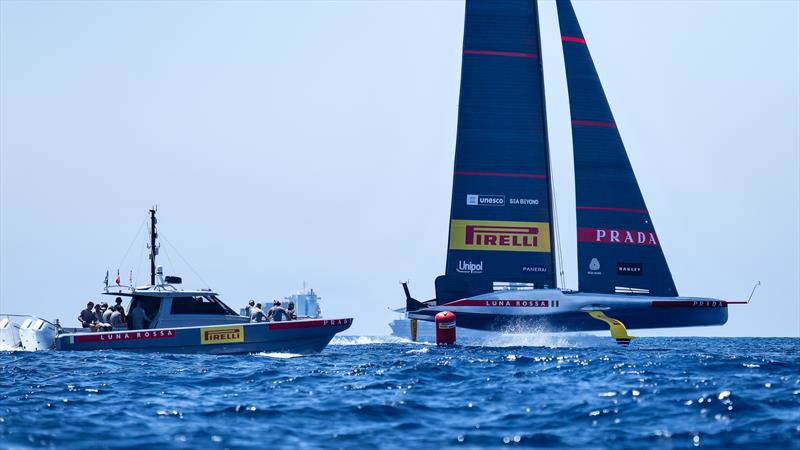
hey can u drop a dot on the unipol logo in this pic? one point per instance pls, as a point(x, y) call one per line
point(470, 267)
point(617, 236)
point(499, 236)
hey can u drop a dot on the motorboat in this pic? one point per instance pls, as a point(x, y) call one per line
point(176, 321)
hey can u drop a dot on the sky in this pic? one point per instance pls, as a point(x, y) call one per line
point(286, 142)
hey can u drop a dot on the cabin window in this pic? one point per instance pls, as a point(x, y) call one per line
point(196, 305)
point(151, 305)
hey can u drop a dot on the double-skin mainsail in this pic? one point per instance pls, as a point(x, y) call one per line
point(500, 219)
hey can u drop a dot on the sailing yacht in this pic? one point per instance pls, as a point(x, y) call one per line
point(501, 219)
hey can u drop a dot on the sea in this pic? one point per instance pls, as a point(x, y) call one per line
point(537, 391)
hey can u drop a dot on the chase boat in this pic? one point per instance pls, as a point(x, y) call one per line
point(182, 321)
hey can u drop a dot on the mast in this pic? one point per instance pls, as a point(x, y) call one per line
point(550, 187)
point(153, 246)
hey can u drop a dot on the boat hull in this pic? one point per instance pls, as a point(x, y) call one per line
point(553, 310)
point(301, 336)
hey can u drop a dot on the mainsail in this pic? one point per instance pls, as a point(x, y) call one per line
point(618, 250)
point(500, 219)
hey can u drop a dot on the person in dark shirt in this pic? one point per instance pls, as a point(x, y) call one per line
point(139, 317)
point(256, 314)
point(86, 316)
point(119, 308)
point(277, 313)
point(292, 314)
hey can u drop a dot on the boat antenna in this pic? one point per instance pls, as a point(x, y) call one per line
point(153, 245)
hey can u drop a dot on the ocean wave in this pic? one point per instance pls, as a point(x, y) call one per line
point(541, 339)
point(368, 340)
point(279, 355)
point(576, 391)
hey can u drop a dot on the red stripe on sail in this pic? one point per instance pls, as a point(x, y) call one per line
point(604, 208)
point(497, 53)
point(573, 39)
point(503, 174)
point(594, 123)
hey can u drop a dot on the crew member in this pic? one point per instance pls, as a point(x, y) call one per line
point(121, 310)
point(98, 318)
point(106, 312)
point(138, 317)
point(249, 307)
point(256, 313)
point(277, 313)
point(116, 318)
point(292, 315)
point(86, 316)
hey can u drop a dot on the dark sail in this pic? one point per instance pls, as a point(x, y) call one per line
point(500, 219)
point(617, 243)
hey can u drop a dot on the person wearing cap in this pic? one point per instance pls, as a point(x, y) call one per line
point(291, 313)
point(86, 316)
point(249, 307)
point(277, 313)
point(256, 313)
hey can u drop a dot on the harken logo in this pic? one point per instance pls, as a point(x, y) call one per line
point(470, 267)
point(486, 200)
point(626, 268)
point(499, 236)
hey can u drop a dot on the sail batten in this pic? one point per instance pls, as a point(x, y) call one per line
point(500, 219)
point(617, 242)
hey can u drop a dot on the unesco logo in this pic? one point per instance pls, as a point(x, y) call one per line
point(486, 200)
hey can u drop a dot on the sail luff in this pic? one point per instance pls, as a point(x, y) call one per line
point(617, 243)
point(500, 220)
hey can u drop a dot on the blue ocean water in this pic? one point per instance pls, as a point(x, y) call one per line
point(534, 391)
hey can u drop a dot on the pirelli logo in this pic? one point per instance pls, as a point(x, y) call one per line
point(225, 335)
point(500, 236)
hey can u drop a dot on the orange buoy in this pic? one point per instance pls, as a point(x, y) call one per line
point(445, 328)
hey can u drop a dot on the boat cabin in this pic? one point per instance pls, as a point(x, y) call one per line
point(171, 308)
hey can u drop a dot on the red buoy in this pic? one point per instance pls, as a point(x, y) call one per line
point(445, 328)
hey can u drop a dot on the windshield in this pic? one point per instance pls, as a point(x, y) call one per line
point(199, 304)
